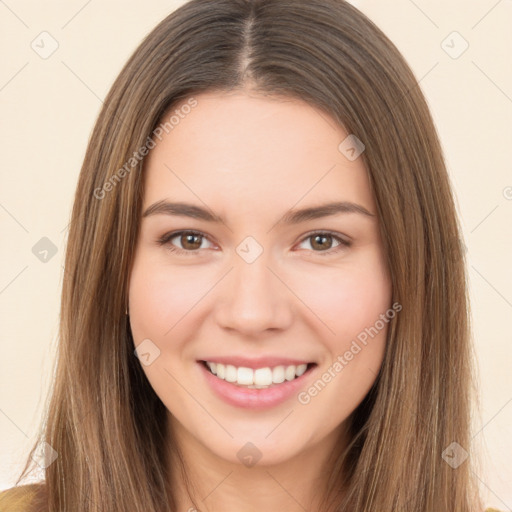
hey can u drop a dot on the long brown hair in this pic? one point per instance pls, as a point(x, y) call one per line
point(103, 418)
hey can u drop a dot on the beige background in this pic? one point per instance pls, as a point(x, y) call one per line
point(49, 106)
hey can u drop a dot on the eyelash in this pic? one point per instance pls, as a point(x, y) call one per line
point(165, 239)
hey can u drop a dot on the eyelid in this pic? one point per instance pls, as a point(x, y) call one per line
point(343, 242)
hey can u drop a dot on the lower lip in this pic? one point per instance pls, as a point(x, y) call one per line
point(254, 398)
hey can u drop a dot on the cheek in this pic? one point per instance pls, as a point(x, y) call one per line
point(348, 299)
point(162, 303)
point(353, 303)
point(161, 296)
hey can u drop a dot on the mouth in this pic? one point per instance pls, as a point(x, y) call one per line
point(258, 378)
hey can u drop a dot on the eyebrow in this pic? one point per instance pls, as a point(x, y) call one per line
point(291, 217)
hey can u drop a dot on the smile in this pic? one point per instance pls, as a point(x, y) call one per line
point(255, 388)
point(258, 378)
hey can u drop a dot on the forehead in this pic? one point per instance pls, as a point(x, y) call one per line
point(253, 152)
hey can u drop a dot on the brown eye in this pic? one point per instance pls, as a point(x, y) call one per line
point(187, 242)
point(322, 242)
point(190, 241)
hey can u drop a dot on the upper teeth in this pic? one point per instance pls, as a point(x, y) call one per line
point(261, 377)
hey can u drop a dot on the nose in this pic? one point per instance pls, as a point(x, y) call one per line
point(253, 299)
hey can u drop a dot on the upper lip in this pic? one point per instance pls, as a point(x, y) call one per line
point(256, 362)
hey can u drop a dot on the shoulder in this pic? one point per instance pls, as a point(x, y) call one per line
point(23, 498)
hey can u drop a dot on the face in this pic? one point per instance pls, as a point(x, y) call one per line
point(254, 287)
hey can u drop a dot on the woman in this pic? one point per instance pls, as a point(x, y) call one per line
point(264, 305)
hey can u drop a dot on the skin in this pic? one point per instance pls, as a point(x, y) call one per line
point(252, 158)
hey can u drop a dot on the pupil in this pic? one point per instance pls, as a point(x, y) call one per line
point(190, 239)
point(322, 238)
